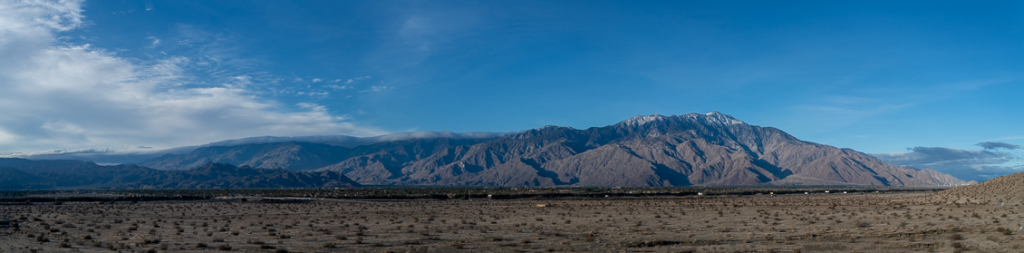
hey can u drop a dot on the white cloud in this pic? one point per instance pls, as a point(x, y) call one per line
point(75, 97)
point(155, 42)
point(7, 138)
point(352, 80)
point(320, 94)
point(317, 80)
point(38, 16)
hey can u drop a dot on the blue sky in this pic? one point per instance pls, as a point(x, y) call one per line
point(896, 79)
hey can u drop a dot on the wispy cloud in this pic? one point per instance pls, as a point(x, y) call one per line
point(976, 84)
point(379, 88)
point(154, 41)
point(1010, 138)
point(845, 110)
point(353, 80)
point(350, 83)
point(75, 97)
point(990, 145)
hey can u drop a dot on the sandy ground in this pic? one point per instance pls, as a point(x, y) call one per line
point(902, 222)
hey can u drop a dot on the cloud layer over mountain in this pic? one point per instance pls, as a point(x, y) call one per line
point(72, 96)
point(964, 164)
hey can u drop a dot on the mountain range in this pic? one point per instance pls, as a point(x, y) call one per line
point(21, 174)
point(710, 149)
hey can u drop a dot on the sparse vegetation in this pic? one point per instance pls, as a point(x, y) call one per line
point(713, 222)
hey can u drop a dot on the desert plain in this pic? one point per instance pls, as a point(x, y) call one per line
point(813, 222)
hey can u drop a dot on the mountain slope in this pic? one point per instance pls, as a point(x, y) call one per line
point(14, 179)
point(294, 156)
point(218, 175)
point(20, 174)
point(654, 150)
point(1005, 190)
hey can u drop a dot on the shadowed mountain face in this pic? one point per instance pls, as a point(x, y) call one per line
point(679, 150)
point(20, 174)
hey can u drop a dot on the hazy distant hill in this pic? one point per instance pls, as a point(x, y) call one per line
point(679, 150)
point(219, 175)
point(20, 174)
point(288, 156)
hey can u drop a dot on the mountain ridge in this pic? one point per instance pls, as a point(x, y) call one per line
point(692, 149)
point(21, 174)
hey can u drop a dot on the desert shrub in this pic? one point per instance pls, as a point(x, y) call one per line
point(825, 247)
point(956, 237)
point(200, 245)
point(1004, 231)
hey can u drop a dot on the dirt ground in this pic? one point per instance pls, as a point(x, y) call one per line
point(897, 222)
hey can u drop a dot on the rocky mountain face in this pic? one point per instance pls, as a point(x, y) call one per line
point(20, 174)
point(710, 149)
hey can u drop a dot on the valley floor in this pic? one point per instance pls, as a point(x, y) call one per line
point(894, 222)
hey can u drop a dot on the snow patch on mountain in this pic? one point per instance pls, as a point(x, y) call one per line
point(709, 118)
point(640, 120)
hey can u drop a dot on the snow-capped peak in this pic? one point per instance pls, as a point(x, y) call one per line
point(707, 118)
point(642, 119)
point(722, 118)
